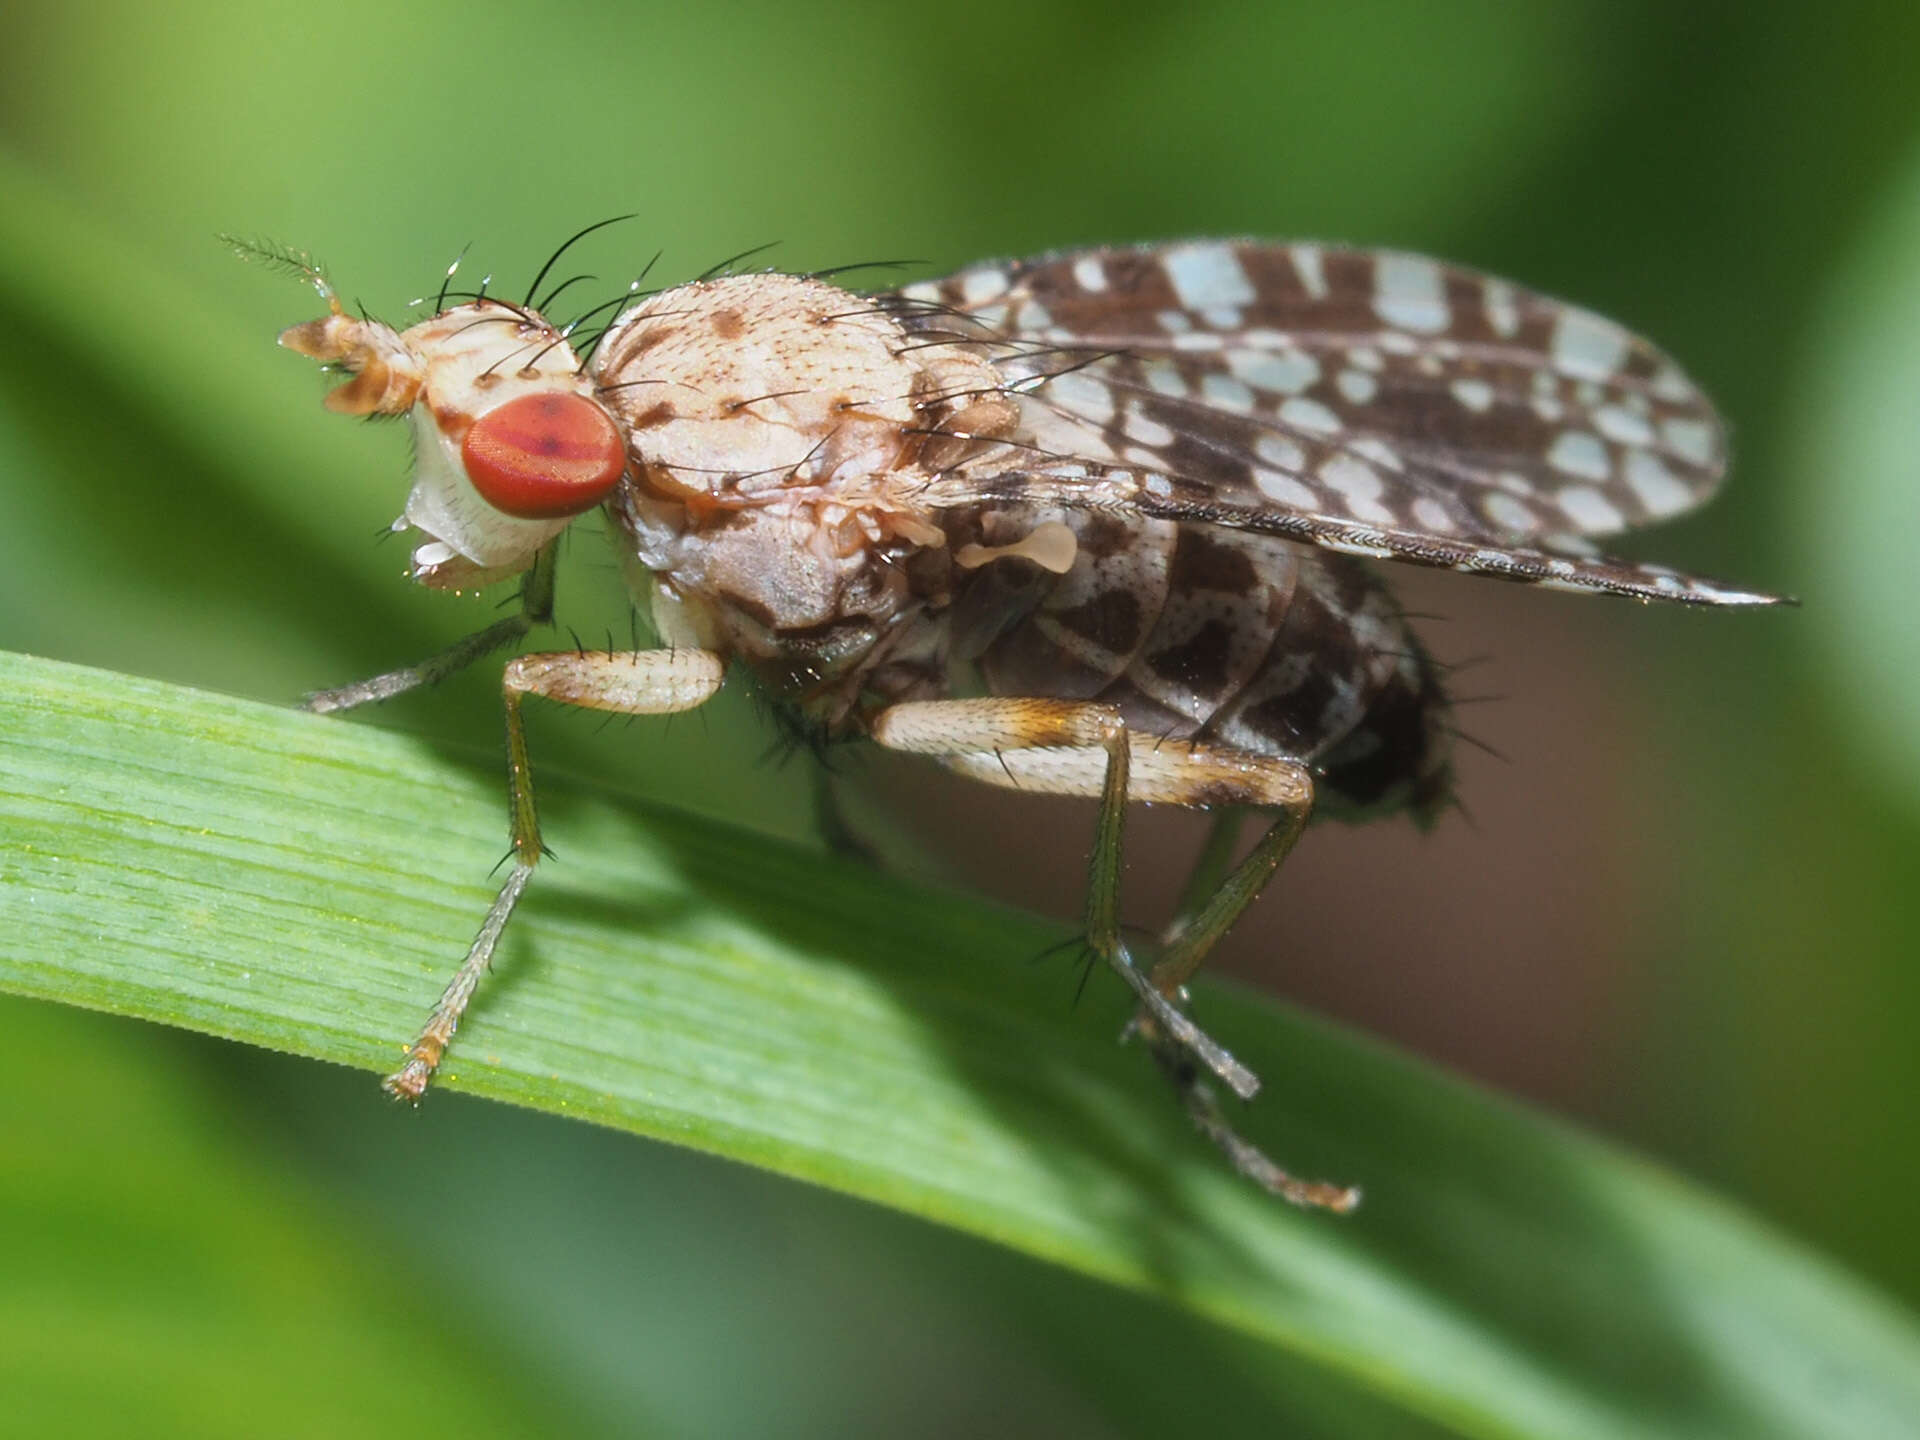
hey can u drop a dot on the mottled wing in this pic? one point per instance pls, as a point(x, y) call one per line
point(1374, 403)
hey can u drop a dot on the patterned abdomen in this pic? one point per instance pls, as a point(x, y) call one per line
point(1198, 632)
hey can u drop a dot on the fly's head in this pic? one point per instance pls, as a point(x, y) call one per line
point(510, 443)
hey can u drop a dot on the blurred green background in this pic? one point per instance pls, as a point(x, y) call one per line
point(1685, 913)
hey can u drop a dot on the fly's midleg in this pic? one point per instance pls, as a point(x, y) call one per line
point(1103, 869)
point(536, 608)
point(647, 682)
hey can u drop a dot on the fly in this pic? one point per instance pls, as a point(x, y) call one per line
point(1135, 494)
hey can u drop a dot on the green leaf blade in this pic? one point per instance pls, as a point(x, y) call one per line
point(307, 885)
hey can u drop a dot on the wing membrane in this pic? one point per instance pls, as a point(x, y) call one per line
point(1369, 401)
point(1562, 563)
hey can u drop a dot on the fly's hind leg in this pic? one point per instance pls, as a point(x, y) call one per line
point(1062, 747)
point(1076, 748)
point(646, 682)
point(536, 608)
point(1217, 892)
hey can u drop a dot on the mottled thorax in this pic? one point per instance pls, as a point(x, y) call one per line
point(782, 432)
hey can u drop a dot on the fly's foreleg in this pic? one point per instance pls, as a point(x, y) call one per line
point(647, 682)
point(536, 608)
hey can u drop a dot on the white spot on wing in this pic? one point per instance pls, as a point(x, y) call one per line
point(1669, 384)
point(1225, 392)
point(1476, 395)
point(1371, 447)
point(1165, 378)
point(1691, 440)
point(1409, 292)
point(1508, 513)
point(1286, 373)
point(1431, 515)
point(1590, 510)
point(1357, 386)
point(1090, 273)
point(1306, 264)
point(1580, 452)
point(1571, 544)
point(1085, 396)
point(1586, 346)
point(1618, 423)
point(979, 286)
point(1721, 596)
point(1205, 275)
point(1656, 486)
point(1284, 489)
point(1502, 313)
point(1146, 431)
point(1305, 414)
point(1360, 486)
point(1279, 450)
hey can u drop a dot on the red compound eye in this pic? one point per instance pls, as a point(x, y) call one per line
point(544, 456)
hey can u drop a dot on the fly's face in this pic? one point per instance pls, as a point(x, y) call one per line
point(510, 444)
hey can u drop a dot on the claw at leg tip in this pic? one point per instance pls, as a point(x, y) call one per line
point(408, 1083)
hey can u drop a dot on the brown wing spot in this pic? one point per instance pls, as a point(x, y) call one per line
point(728, 325)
